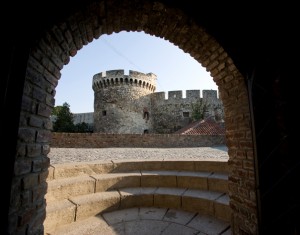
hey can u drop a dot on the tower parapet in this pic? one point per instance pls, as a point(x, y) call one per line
point(118, 77)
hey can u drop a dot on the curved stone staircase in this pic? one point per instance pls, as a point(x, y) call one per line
point(106, 195)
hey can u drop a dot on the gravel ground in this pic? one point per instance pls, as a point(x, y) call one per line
point(66, 155)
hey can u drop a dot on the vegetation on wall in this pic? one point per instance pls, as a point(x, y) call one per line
point(199, 109)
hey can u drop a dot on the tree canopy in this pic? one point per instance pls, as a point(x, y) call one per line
point(63, 121)
point(63, 118)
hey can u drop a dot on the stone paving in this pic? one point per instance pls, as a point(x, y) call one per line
point(67, 155)
point(148, 221)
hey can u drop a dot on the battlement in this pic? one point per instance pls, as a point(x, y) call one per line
point(118, 77)
point(190, 95)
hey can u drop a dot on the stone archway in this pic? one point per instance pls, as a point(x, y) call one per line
point(64, 39)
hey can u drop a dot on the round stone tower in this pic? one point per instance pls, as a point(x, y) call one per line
point(122, 102)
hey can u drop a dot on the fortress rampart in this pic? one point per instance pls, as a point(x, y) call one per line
point(175, 112)
point(120, 102)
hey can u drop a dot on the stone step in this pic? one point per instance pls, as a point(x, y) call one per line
point(146, 220)
point(78, 191)
point(64, 188)
point(77, 208)
point(99, 167)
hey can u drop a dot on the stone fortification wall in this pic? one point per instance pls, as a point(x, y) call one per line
point(169, 115)
point(119, 100)
point(98, 140)
point(83, 117)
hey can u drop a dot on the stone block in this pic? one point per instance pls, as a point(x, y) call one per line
point(199, 201)
point(66, 188)
point(179, 165)
point(212, 166)
point(114, 181)
point(158, 179)
point(168, 197)
point(218, 182)
point(93, 204)
point(59, 213)
point(193, 180)
point(101, 167)
point(136, 197)
point(66, 170)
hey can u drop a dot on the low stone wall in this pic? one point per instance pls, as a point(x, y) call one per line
point(96, 140)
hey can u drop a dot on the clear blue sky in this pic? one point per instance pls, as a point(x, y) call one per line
point(175, 69)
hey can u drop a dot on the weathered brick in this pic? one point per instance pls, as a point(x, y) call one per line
point(26, 198)
point(26, 104)
point(50, 100)
point(43, 176)
point(35, 121)
point(34, 150)
point(44, 110)
point(45, 149)
point(40, 164)
point(27, 135)
point(36, 223)
point(38, 94)
point(247, 164)
point(39, 192)
point(43, 136)
point(12, 223)
point(35, 64)
point(30, 181)
point(51, 78)
point(22, 166)
point(58, 34)
point(48, 124)
point(21, 150)
point(26, 216)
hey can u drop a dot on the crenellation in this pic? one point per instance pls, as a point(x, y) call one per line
point(192, 94)
point(174, 95)
point(117, 77)
point(113, 73)
point(209, 94)
point(159, 96)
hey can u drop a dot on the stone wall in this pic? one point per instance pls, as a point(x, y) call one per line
point(174, 113)
point(97, 140)
point(84, 117)
point(47, 50)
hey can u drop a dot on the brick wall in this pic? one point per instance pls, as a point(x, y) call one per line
point(97, 140)
point(53, 50)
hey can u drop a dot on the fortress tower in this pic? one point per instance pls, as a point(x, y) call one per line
point(120, 100)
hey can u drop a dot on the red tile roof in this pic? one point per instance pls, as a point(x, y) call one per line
point(208, 126)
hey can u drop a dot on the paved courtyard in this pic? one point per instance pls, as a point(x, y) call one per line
point(65, 155)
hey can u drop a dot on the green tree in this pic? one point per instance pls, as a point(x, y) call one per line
point(198, 110)
point(64, 119)
point(83, 127)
